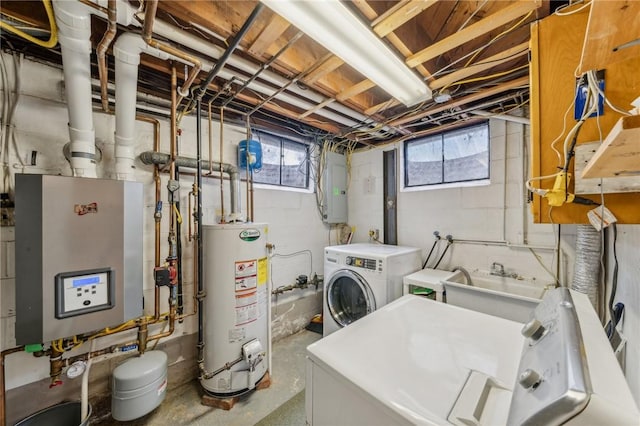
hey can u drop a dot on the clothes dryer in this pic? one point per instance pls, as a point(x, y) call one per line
point(360, 278)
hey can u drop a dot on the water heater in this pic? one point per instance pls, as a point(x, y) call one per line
point(236, 327)
point(78, 255)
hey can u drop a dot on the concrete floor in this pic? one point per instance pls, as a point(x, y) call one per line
point(282, 399)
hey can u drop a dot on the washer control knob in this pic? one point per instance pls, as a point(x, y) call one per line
point(529, 379)
point(533, 329)
point(349, 260)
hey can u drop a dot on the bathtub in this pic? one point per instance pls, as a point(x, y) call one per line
point(505, 297)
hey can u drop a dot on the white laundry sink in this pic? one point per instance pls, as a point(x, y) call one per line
point(505, 297)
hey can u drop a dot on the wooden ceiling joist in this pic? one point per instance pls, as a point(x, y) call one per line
point(398, 15)
point(510, 85)
point(330, 63)
point(491, 22)
point(354, 90)
point(382, 106)
point(317, 107)
point(497, 59)
point(271, 32)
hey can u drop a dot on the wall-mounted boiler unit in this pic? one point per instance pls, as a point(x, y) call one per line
point(78, 255)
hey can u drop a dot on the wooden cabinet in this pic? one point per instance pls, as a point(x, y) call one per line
point(556, 52)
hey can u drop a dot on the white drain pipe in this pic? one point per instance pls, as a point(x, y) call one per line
point(126, 51)
point(74, 29)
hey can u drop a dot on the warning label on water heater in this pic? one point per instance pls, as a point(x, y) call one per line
point(246, 281)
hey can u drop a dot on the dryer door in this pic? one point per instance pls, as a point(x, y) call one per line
point(349, 297)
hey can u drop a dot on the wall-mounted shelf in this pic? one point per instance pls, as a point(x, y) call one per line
point(619, 154)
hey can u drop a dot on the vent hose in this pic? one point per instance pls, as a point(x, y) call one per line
point(586, 273)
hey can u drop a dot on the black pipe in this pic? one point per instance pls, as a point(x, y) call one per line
point(199, 230)
point(227, 53)
point(449, 242)
point(180, 308)
point(437, 235)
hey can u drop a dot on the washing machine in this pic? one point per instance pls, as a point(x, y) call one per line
point(419, 362)
point(360, 278)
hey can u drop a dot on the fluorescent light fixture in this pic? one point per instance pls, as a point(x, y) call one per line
point(333, 26)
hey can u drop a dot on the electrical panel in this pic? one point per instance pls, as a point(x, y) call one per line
point(334, 206)
point(78, 255)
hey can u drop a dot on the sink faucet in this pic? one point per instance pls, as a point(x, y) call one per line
point(498, 269)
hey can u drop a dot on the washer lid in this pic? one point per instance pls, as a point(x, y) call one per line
point(364, 249)
point(416, 356)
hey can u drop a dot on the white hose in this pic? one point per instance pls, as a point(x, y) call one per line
point(84, 395)
point(587, 264)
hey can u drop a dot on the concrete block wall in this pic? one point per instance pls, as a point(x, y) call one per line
point(294, 226)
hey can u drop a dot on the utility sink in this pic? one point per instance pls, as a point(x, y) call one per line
point(505, 297)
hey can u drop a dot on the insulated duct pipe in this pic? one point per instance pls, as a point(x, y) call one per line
point(74, 30)
point(586, 273)
point(150, 157)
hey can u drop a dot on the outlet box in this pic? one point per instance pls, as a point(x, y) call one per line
point(582, 90)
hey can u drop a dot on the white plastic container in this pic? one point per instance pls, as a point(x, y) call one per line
point(236, 308)
point(139, 385)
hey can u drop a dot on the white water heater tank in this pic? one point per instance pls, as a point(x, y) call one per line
point(236, 327)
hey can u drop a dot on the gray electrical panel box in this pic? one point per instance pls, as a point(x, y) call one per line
point(78, 255)
point(334, 206)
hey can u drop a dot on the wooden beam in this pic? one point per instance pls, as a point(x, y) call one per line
point(519, 82)
point(271, 32)
point(371, 14)
point(398, 15)
point(331, 63)
point(382, 106)
point(491, 22)
point(354, 90)
point(317, 107)
point(485, 64)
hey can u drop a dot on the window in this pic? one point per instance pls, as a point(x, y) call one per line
point(460, 155)
point(284, 162)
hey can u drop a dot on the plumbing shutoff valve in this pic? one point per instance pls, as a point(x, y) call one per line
point(165, 275)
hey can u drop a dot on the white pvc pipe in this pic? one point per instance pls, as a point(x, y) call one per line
point(505, 117)
point(84, 391)
point(74, 29)
point(126, 51)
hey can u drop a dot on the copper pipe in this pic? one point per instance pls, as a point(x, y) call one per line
point(89, 3)
point(55, 367)
point(172, 325)
point(3, 354)
point(149, 19)
point(143, 333)
point(101, 52)
point(222, 219)
point(210, 141)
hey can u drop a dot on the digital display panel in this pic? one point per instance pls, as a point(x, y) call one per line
point(80, 282)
